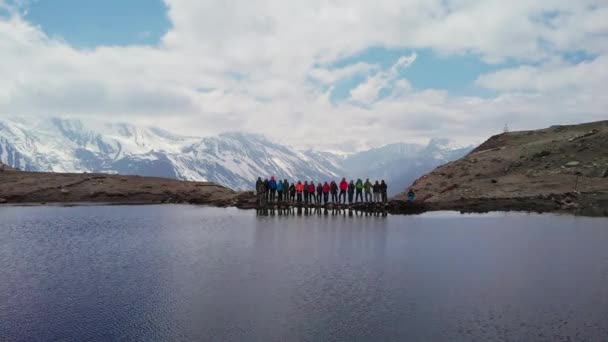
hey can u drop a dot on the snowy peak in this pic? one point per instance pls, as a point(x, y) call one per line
point(233, 159)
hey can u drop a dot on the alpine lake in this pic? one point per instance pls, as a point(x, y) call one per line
point(188, 273)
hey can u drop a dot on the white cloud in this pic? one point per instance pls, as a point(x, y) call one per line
point(368, 92)
point(248, 65)
point(330, 76)
point(553, 76)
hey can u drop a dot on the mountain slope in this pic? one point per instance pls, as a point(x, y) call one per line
point(561, 166)
point(400, 164)
point(231, 159)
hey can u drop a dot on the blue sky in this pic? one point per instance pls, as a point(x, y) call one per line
point(382, 71)
point(86, 24)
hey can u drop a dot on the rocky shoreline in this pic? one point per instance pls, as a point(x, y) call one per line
point(33, 188)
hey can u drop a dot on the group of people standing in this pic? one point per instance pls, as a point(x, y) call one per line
point(269, 190)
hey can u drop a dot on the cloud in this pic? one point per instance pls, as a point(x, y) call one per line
point(268, 67)
point(333, 75)
point(368, 92)
point(553, 76)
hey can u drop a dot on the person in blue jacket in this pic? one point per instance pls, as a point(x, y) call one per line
point(272, 184)
point(280, 190)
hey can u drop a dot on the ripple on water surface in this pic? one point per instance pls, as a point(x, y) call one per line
point(190, 273)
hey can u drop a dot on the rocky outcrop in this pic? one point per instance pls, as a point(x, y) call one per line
point(561, 168)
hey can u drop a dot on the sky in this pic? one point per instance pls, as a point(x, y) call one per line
point(339, 75)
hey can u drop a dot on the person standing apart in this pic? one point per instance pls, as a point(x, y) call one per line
point(376, 189)
point(343, 189)
point(359, 188)
point(384, 191)
point(368, 190)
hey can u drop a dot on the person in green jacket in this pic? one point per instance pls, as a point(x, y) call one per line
point(368, 190)
point(359, 188)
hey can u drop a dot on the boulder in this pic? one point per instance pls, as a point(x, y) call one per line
point(3, 200)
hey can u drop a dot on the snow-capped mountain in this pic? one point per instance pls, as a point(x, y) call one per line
point(231, 159)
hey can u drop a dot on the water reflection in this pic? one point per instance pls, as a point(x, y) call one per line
point(319, 211)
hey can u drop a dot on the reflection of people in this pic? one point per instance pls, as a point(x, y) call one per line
point(411, 195)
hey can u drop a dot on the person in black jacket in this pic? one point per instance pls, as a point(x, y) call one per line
point(351, 192)
point(384, 191)
point(286, 190)
point(319, 192)
point(267, 189)
point(305, 192)
point(292, 193)
point(334, 192)
point(259, 190)
point(376, 190)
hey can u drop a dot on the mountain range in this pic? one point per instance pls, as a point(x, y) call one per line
point(232, 159)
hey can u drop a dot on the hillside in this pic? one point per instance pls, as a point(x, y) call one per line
point(19, 187)
point(561, 168)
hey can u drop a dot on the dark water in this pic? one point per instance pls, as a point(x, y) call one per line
point(181, 273)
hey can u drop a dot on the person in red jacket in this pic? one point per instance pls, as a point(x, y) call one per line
point(311, 192)
point(343, 188)
point(299, 191)
point(326, 189)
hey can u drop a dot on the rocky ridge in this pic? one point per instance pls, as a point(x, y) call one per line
point(561, 168)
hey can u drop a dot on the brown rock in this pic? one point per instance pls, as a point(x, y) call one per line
point(449, 188)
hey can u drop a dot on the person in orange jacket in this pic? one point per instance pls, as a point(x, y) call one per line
point(299, 191)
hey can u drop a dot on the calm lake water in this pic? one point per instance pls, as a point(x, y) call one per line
point(185, 273)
